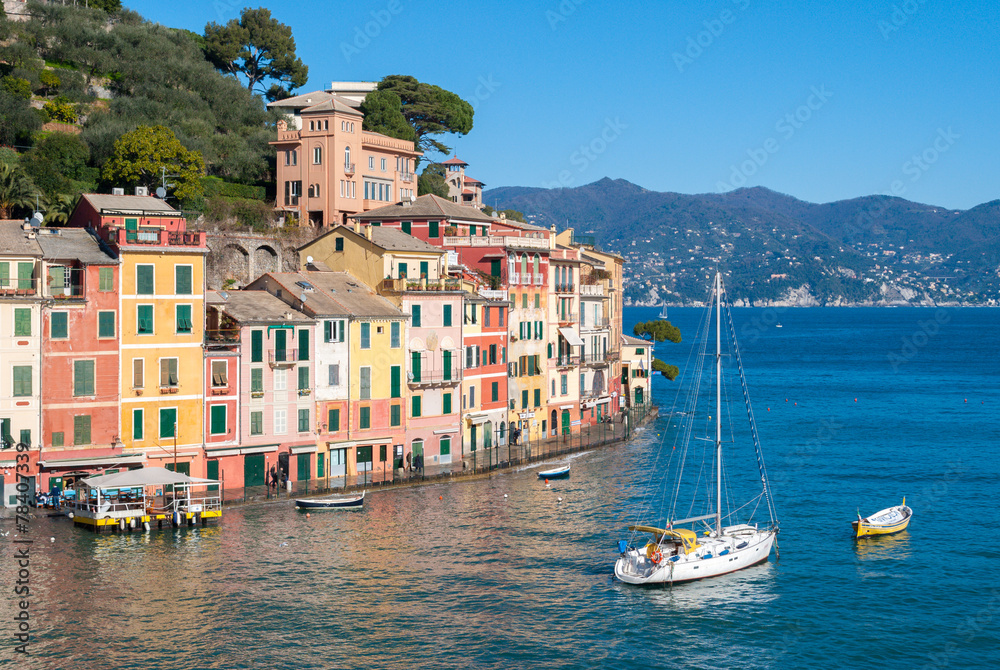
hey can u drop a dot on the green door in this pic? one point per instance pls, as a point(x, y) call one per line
point(279, 344)
point(212, 472)
point(320, 465)
point(253, 470)
point(131, 230)
point(487, 435)
point(638, 395)
point(402, 270)
point(364, 459)
point(495, 267)
point(424, 272)
point(446, 360)
point(305, 461)
point(565, 422)
point(472, 437)
point(183, 468)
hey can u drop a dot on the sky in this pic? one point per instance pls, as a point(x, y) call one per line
point(823, 101)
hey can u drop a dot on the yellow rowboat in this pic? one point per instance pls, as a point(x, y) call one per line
point(886, 522)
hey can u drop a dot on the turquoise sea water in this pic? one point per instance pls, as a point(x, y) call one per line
point(461, 577)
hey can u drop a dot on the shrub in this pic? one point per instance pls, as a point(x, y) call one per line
point(214, 186)
point(17, 87)
point(60, 111)
point(50, 81)
point(253, 213)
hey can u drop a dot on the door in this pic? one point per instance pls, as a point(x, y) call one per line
point(445, 450)
point(472, 436)
point(364, 459)
point(446, 360)
point(338, 462)
point(304, 468)
point(320, 465)
point(402, 270)
point(487, 435)
point(279, 345)
point(552, 422)
point(212, 472)
point(565, 422)
point(182, 468)
point(253, 470)
point(423, 270)
point(495, 268)
point(638, 395)
point(131, 230)
point(283, 467)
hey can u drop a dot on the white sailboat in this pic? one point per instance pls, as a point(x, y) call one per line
point(715, 543)
point(663, 312)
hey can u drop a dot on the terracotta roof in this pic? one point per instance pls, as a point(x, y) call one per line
point(258, 307)
point(470, 180)
point(635, 341)
point(393, 239)
point(128, 203)
point(330, 294)
point(454, 161)
point(427, 206)
point(73, 244)
point(14, 240)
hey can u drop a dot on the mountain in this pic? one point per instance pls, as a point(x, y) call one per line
point(778, 249)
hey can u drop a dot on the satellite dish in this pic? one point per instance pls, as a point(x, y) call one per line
point(309, 259)
point(37, 218)
point(413, 198)
point(161, 192)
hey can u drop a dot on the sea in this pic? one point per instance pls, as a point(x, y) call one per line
point(855, 409)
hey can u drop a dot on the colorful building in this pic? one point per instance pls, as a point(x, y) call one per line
point(462, 189)
point(637, 370)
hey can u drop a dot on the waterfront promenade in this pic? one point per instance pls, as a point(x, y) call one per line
point(482, 462)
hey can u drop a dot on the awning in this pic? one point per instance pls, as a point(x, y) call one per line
point(305, 449)
point(477, 419)
point(95, 462)
point(143, 477)
point(571, 337)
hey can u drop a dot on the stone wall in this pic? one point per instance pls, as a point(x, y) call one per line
point(235, 259)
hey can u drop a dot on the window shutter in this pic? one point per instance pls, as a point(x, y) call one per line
point(447, 315)
point(328, 331)
point(333, 420)
point(394, 382)
point(257, 346)
point(144, 280)
point(137, 369)
point(415, 309)
point(334, 372)
point(106, 279)
point(340, 325)
point(303, 344)
point(446, 404)
point(303, 378)
point(415, 365)
point(182, 280)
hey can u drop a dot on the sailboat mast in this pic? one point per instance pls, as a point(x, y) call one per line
point(718, 403)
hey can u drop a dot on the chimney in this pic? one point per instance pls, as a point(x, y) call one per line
point(357, 227)
point(368, 231)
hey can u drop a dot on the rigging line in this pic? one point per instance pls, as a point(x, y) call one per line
point(753, 427)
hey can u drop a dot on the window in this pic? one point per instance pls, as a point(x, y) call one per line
point(564, 384)
point(303, 378)
point(168, 422)
point(493, 354)
point(371, 162)
point(280, 380)
point(415, 365)
point(366, 336)
point(524, 301)
point(333, 374)
point(256, 380)
point(144, 283)
point(447, 316)
point(538, 397)
point(382, 165)
point(22, 322)
point(280, 421)
point(83, 378)
point(472, 396)
point(256, 346)
point(524, 400)
point(333, 420)
point(432, 229)
point(138, 366)
point(347, 160)
point(495, 392)
point(366, 383)
point(394, 329)
point(144, 319)
point(395, 383)
point(538, 301)
point(553, 387)
point(81, 429)
point(105, 279)
point(182, 279)
point(317, 155)
point(486, 316)
point(303, 420)
point(446, 403)
point(416, 400)
point(500, 312)
point(22, 380)
point(395, 418)
point(338, 244)
point(406, 226)
point(365, 417)
point(219, 376)
point(168, 372)
point(217, 419)
point(105, 324)
point(138, 424)
point(415, 310)
point(59, 325)
point(256, 423)
point(303, 344)
point(183, 318)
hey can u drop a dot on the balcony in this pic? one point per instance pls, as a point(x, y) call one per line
point(539, 279)
point(493, 294)
point(11, 287)
point(427, 379)
point(157, 237)
point(441, 284)
point(63, 283)
point(567, 361)
point(565, 288)
point(349, 168)
point(515, 279)
point(567, 318)
point(595, 323)
point(494, 241)
point(406, 177)
point(596, 360)
point(592, 290)
point(282, 358)
point(222, 337)
point(288, 136)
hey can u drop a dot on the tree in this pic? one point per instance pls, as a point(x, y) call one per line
point(657, 331)
point(59, 207)
point(513, 214)
point(668, 371)
point(56, 161)
point(140, 155)
point(431, 181)
point(16, 190)
point(60, 110)
point(383, 112)
point(430, 110)
point(20, 121)
point(257, 47)
point(50, 81)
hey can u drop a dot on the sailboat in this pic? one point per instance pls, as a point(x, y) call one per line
point(714, 543)
point(663, 312)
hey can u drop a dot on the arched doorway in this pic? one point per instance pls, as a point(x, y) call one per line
point(553, 422)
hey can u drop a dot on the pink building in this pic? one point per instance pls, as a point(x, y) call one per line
point(462, 188)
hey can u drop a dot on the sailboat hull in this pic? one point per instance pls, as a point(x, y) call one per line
point(715, 556)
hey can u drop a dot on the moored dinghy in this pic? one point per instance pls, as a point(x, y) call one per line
point(555, 473)
point(332, 502)
point(885, 522)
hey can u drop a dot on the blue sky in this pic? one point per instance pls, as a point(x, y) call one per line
point(822, 101)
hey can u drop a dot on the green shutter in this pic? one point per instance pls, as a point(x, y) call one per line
point(415, 365)
point(182, 279)
point(280, 343)
point(168, 417)
point(495, 392)
point(446, 360)
point(394, 335)
point(320, 465)
point(447, 315)
point(81, 430)
point(401, 269)
point(144, 316)
point(22, 322)
point(303, 344)
point(256, 346)
point(137, 424)
point(366, 336)
point(524, 399)
point(105, 324)
point(405, 225)
point(446, 404)
point(106, 279)
point(415, 309)
point(256, 423)
point(58, 439)
point(365, 417)
point(256, 380)
point(184, 324)
point(538, 398)
point(83, 378)
point(394, 416)
point(303, 420)
point(59, 325)
point(25, 272)
point(303, 378)
point(333, 420)
point(328, 331)
point(22, 380)
point(394, 382)
point(416, 405)
point(5, 275)
point(304, 468)
point(424, 271)
point(432, 229)
point(218, 419)
point(144, 280)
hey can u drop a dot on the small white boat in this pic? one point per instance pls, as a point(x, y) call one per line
point(663, 313)
point(885, 522)
point(555, 473)
point(332, 502)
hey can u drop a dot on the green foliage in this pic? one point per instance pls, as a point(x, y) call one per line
point(16, 190)
point(56, 163)
point(9, 156)
point(109, 6)
point(513, 214)
point(60, 111)
point(215, 187)
point(19, 120)
point(140, 155)
point(59, 208)
point(658, 331)
point(254, 213)
point(383, 112)
point(430, 110)
point(50, 81)
point(668, 371)
point(16, 86)
point(432, 181)
point(257, 47)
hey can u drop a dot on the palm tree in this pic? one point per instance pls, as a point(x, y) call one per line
point(58, 208)
point(16, 189)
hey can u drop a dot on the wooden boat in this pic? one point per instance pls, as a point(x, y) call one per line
point(332, 502)
point(885, 522)
point(555, 473)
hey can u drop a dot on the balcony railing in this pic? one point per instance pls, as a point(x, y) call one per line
point(282, 357)
point(565, 288)
point(515, 279)
point(349, 168)
point(595, 359)
point(567, 361)
point(222, 336)
point(493, 294)
point(539, 279)
point(595, 323)
point(406, 177)
point(435, 377)
point(157, 237)
point(70, 283)
point(592, 290)
point(440, 284)
point(566, 317)
point(18, 287)
point(495, 241)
